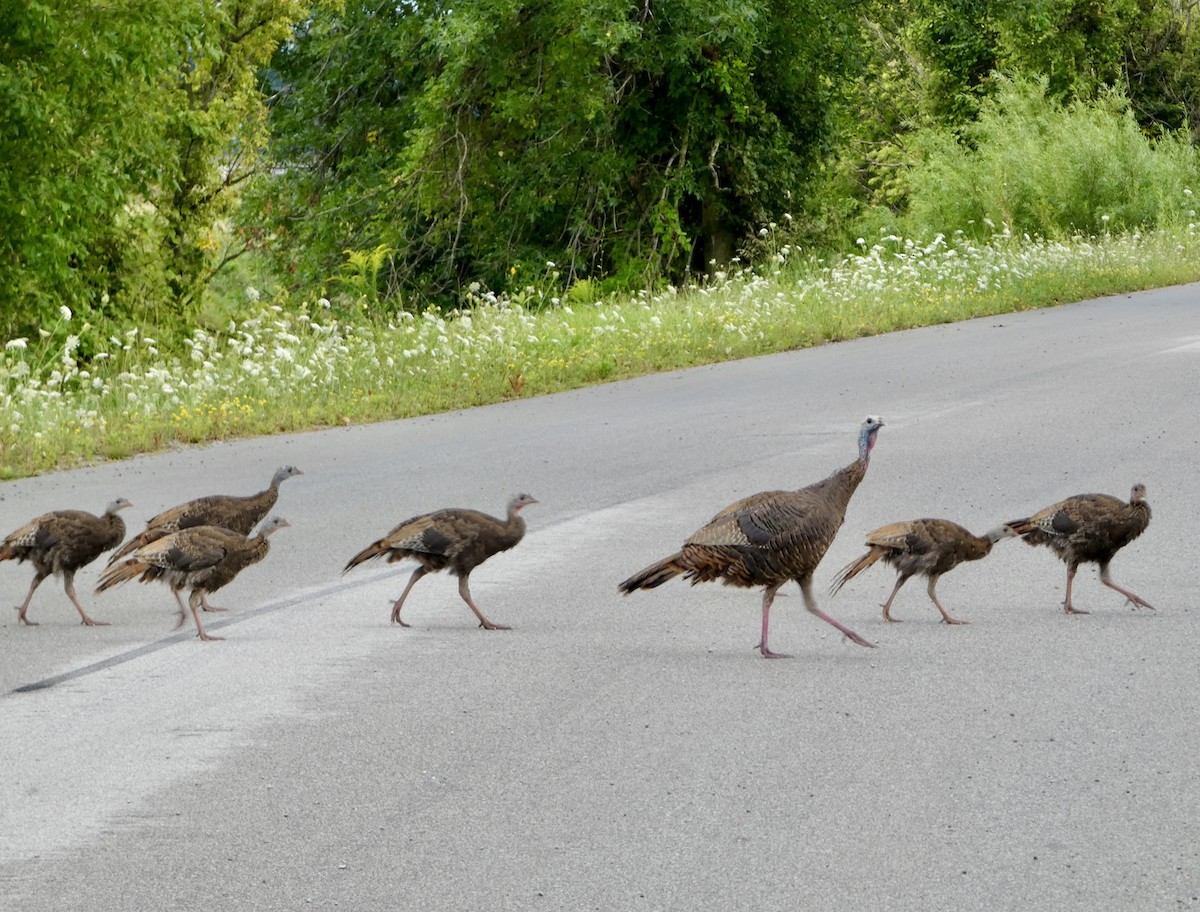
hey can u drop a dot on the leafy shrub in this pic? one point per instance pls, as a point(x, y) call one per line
point(1039, 167)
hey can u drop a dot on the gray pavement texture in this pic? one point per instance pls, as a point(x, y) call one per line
point(635, 753)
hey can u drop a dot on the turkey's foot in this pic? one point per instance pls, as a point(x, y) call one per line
point(767, 653)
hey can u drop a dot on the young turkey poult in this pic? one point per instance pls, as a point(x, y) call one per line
point(61, 542)
point(202, 559)
point(455, 539)
point(239, 514)
point(930, 547)
point(1089, 528)
point(769, 538)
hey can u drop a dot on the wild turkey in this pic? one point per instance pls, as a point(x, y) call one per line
point(201, 558)
point(454, 539)
point(62, 542)
point(1089, 528)
point(931, 547)
point(768, 538)
point(240, 514)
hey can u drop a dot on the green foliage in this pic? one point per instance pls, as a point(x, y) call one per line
point(125, 129)
point(1035, 166)
point(617, 139)
point(81, 136)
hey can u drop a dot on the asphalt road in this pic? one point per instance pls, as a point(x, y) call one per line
point(635, 753)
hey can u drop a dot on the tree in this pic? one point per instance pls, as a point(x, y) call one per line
point(126, 126)
point(81, 134)
point(633, 140)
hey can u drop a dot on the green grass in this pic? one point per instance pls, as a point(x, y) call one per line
point(293, 366)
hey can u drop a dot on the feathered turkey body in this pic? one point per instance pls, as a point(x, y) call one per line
point(769, 538)
point(455, 539)
point(61, 542)
point(929, 547)
point(1089, 528)
point(239, 514)
point(201, 558)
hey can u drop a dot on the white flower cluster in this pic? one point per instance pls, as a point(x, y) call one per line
point(308, 363)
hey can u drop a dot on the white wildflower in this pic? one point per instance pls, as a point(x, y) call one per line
point(66, 313)
point(19, 342)
point(252, 293)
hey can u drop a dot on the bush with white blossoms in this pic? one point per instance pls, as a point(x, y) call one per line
point(297, 367)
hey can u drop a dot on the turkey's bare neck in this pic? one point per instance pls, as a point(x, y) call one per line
point(513, 529)
point(1137, 516)
point(844, 482)
point(115, 527)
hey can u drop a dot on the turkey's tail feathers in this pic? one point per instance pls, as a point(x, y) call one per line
point(121, 573)
point(654, 575)
point(1021, 527)
point(854, 568)
point(137, 541)
point(372, 551)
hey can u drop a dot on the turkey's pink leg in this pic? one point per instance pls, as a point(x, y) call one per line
point(483, 621)
point(1136, 600)
point(811, 604)
point(767, 600)
point(206, 606)
point(69, 585)
point(933, 595)
point(887, 606)
point(399, 603)
point(1067, 601)
point(194, 602)
point(37, 581)
point(182, 610)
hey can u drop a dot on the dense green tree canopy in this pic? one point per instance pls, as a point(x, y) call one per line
point(401, 150)
point(611, 137)
point(123, 127)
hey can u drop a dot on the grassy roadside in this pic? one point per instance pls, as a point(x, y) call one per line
point(291, 366)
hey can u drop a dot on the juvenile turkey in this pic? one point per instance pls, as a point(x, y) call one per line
point(930, 547)
point(62, 542)
point(239, 514)
point(1089, 528)
point(769, 538)
point(454, 539)
point(200, 558)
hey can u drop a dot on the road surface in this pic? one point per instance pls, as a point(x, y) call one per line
point(635, 753)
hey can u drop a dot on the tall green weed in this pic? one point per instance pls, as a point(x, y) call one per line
point(1035, 166)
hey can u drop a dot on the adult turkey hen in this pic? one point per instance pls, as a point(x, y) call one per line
point(61, 542)
point(201, 558)
point(239, 514)
point(455, 539)
point(930, 547)
point(769, 538)
point(1089, 528)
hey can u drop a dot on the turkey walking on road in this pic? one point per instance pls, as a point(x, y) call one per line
point(769, 538)
point(930, 547)
point(454, 539)
point(239, 514)
point(202, 559)
point(62, 542)
point(1089, 529)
